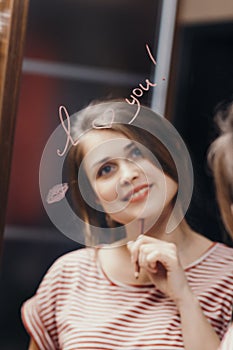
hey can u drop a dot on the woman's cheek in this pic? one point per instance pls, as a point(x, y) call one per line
point(106, 192)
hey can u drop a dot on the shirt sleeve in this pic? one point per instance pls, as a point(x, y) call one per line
point(39, 312)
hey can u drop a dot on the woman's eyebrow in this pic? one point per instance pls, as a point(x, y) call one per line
point(127, 147)
point(101, 161)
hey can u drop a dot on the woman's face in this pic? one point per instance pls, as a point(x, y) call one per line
point(127, 184)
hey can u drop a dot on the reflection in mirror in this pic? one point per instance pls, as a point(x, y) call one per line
point(75, 51)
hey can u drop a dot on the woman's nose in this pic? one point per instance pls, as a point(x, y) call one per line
point(129, 172)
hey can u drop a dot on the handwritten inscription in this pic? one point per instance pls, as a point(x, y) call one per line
point(66, 129)
point(138, 92)
point(135, 95)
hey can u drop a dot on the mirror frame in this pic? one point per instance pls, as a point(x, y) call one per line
point(13, 21)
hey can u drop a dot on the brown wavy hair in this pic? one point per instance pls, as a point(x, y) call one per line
point(84, 123)
point(220, 159)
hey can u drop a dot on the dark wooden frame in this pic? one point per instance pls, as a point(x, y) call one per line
point(11, 54)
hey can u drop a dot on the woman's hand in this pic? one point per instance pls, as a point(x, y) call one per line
point(161, 262)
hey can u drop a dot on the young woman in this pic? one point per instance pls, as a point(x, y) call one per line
point(221, 160)
point(160, 285)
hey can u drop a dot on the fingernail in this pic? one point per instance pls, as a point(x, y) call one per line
point(136, 274)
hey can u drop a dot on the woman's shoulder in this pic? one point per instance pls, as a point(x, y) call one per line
point(218, 260)
point(76, 257)
point(223, 251)
point(77, 254)
point(72, 262)
point(209, 252)
point(72, 267)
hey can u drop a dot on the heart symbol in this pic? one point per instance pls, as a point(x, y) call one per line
point(105, 121)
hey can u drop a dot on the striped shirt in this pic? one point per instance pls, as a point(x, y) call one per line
point(227, 343)
point(78, 307)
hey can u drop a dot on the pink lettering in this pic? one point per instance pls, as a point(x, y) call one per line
point(150, 54)
point(132, 103)
point(67, 130)
point(148, 84)
point(138, 92)
point(107, 119)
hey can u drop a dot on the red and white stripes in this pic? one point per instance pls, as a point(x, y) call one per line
point(78, 307)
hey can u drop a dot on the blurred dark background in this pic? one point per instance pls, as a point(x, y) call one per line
point(80, 50)
point(203, 78)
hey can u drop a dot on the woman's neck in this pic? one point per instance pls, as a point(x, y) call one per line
point(116, 262)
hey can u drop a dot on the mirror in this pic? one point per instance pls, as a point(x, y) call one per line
point(77, 51)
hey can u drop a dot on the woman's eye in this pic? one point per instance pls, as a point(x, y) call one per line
point(105, 170)
point(136, 152)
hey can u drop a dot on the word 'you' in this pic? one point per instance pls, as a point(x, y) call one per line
point(107, 122)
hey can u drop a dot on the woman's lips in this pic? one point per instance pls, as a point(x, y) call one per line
point(138, 193)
